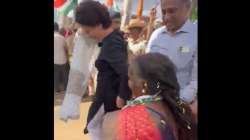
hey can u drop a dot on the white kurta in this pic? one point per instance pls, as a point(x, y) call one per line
point(60, 56)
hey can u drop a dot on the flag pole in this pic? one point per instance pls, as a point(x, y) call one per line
point(140, 8)
point(126, 13)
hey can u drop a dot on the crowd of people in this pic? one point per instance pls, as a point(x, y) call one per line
point(143, 77)
point(61, 65)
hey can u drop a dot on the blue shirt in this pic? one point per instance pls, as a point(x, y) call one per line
point(181, 48)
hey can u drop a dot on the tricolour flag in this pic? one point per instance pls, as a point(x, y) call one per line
point(67, 7)
point(109, 3)
point(58, 3)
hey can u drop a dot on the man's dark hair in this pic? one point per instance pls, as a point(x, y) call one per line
point(92, 13)
point(56, 27)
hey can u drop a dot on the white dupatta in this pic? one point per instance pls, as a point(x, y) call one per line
point(84, 55)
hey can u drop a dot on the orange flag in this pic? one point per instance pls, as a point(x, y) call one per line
point(109, 3)
point(140, 8)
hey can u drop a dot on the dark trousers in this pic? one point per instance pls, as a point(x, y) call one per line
point(61, 73)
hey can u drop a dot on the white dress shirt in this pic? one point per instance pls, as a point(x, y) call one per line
point(181, 48)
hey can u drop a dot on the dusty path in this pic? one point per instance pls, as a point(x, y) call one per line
point(72, 130)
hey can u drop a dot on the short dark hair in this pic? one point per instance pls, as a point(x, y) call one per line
point(92, 13)
point(56, 27)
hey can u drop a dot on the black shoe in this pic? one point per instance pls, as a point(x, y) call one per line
point(85, 131)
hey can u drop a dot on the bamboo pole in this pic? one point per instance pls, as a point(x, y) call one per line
point(140, 8)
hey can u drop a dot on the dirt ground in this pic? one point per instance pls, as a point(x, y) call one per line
point(73, 129)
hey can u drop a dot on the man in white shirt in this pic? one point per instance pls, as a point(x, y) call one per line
point(61, 66)
point(178, 40)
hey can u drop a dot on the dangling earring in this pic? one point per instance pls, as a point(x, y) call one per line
point(143, 91)
point(158, 85)
point(145, 86)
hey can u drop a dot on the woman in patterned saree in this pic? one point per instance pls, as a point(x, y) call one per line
point(156, 111)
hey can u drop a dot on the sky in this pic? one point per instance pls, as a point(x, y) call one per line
point(148, 4)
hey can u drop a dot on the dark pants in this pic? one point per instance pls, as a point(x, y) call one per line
point(61, 73)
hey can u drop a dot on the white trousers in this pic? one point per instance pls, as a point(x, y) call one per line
point(95, 125)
